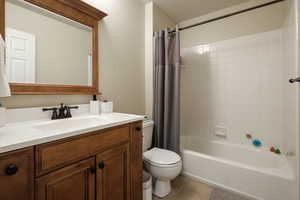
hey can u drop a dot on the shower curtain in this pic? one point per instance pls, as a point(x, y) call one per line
point(166, 104)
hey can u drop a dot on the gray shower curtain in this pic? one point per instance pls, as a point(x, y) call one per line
point(166, 105)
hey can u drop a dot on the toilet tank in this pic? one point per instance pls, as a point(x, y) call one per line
point(147, 134)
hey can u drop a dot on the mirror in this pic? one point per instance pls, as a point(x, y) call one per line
point(46, 48)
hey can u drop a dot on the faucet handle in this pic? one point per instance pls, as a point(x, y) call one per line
point(48, 109)
point(68, 114)
point(54, 112)
point(68, 108)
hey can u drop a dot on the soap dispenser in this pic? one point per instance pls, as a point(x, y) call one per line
point(94, 106)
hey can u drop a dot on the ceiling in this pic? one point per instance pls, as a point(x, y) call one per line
point(180, 10)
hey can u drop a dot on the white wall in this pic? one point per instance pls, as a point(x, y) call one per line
point(240, 79)
point(149, 58)
point(290, 55)
point(161, 20)
point(122, 53)
point(241, 82)
point(255, 21)
point(296, 4)
point(292, 35)
point(155, 20)
point(121, 60)
point(296, 13)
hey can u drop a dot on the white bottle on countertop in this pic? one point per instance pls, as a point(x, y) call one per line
point(94, 106)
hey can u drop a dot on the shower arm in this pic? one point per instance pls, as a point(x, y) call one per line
point(295, 80)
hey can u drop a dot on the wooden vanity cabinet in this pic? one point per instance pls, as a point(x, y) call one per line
point(16, 175)
point(75, 182)
point(136, 161)
point(100, 165)
point(55, 155)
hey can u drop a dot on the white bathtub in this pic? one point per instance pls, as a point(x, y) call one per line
point(244, 169)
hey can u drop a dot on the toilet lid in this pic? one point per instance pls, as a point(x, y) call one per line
point(162, 156)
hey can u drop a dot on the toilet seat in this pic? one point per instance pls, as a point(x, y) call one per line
point(164, 166)
point(162, 158)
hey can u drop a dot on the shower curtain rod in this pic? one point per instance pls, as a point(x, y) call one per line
point(229, 15)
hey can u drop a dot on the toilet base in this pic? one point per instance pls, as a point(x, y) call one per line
point(161, 188)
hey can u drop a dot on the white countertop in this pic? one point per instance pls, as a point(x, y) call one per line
point(19, 135)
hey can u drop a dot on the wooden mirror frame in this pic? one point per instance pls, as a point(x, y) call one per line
point(75, 10)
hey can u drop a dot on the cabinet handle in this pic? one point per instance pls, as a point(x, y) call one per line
point(11, 169)
point(92, 170)
point(138, 128)
point(101, 165)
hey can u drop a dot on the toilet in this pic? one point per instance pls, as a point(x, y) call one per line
point(163, 165)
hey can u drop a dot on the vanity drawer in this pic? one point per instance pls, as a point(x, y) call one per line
point(55, 155)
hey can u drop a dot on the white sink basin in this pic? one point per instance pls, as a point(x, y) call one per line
point(72, 123)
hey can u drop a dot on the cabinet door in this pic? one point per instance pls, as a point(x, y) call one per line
point(76, 182)
point(16, 175)
point(113, 182)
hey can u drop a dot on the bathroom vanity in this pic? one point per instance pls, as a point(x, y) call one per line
point(99, 159)
point(52, 49)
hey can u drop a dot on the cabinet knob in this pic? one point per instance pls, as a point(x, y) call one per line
point(92, 170)
point(101, 165)
point(138, 128)
point(11, 169)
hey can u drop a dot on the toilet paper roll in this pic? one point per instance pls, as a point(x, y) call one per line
point(94, 107)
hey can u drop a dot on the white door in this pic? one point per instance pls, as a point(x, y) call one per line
point(20, 56)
